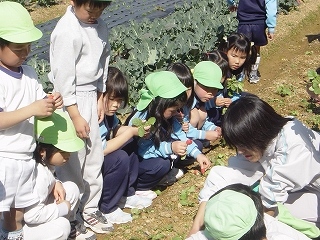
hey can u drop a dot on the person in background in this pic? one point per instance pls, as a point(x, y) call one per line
point(121, 165)
point(22, 100)
point(254, 17)
point(52, 216)
point(79, 58)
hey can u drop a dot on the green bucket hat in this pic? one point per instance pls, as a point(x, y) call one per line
point(16, 25)
point(59, 131)
point(229, 215)
point(209, 74)
point(164, 84)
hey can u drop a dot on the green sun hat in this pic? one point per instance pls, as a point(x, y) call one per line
point(229, 215)
point(59, 131)
point(164, 84)
point(16, 25)
point(209, 74)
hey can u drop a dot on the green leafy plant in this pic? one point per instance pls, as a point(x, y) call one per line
point(284, 90)
point(184, 196)
point(234, 86)
point(314, 79)
point(142, 124)
point(42, 68)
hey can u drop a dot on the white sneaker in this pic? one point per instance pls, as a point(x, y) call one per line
point(79, 232)
point(97, 222)
point(118, 216)
point(135, 201)
point(253, 78)
point(147, 194)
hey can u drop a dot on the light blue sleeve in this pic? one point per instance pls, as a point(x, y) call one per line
point(271, 7)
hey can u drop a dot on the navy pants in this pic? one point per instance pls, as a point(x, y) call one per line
point(119, 171)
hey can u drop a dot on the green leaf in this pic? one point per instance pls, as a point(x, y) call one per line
point(150, 121)
point(137, 122)
point(141, 131)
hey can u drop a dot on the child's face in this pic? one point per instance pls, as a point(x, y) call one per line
point(112, 104)
point(250, 155)
point(236, 58)
point(13, 55)
point(171, 111)
point(59, 158)
point(204, 93)
point(87, 14)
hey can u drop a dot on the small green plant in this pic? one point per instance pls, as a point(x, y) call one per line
point(314, 79)
point(142, 124)
point(284, 90)
point(184, 196)
point(234, 86)
point(42, 68)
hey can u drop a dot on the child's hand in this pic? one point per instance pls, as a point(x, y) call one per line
point(185, 126)
point(212, 135)
point(204, 162)
point(220, 101)
point(58, 192)
point(270, 36)
point(218, 130)
point(227, 102)
point(58, 101)
point(81, 126)
point(179, 148)
point(42, 108)
point(233, 8)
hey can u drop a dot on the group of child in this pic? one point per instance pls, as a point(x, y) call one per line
point(77, 167)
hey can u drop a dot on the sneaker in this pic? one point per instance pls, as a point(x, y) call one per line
point(118, 216)
point(97, 222)
point(147, 194)
point(79, 232)
point(171, 177)
point(253, 78)
point(135, 201)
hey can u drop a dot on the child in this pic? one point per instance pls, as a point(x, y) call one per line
point(56, 138)
point(79, 57)
point(254, 17)
point(222, 99)
point(236, 212)
point(184, 74)
point(166, 142)
point(282, 152)
point(207, 81)
point(22, 99)
point(121, 165)
point(241, 55)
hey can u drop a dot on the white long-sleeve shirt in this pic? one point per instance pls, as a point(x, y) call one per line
point(46, 209)
point(79, 56)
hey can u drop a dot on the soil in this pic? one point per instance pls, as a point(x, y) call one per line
point(284, 65)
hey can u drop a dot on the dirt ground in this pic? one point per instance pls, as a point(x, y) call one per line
point(284, 65)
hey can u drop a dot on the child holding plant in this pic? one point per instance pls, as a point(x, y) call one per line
point(22, 101)
point(166, 143)
point(207, 81)
point(121, 165)
point(241, 56)
point(49, 218)
point(184, 74)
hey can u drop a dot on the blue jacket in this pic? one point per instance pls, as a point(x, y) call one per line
point(257, 12)
point(147, 149)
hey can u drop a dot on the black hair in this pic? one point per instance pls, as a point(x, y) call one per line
point(220, 58)
point(92, 3)
point(3, 43)
point(251, 123)
point(162, 128)
point(50, 150)
point(184, 74)
point(258, 231)
point(240, 42)
point(117, 85)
